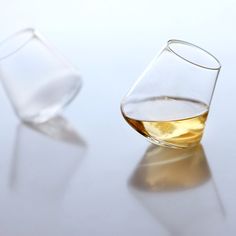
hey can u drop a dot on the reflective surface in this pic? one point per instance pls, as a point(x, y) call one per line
point(56, 181)
point(74, 176)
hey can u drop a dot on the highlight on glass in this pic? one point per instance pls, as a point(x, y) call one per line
point(169, 103)
point(38, 80)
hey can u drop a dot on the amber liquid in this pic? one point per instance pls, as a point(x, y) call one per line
point(168, 121)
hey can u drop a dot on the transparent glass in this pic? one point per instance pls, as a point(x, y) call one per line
point(170, 101)
point(39, 82)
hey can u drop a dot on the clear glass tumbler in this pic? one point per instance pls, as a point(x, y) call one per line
point(39, 82)
point(170, 101)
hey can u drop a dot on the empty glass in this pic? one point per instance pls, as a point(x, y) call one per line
point(39, 82)
point(170, 101)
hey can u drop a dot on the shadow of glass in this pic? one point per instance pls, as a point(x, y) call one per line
point(45, 158)
point(177, 189)
point(165, 169)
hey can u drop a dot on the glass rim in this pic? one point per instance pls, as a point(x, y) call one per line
point(31, 32)
point(177, 41)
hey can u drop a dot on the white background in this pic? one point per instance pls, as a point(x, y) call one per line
point(111, 42)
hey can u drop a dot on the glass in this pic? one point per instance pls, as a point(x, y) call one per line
point(39, 82)
point(170, 101)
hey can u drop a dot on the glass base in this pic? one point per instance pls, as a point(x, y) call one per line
point(170, 145)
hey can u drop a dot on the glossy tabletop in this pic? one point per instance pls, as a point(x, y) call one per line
point(87, 172)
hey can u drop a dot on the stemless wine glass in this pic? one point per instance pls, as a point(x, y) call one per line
point(169, 103)
point(39, 82)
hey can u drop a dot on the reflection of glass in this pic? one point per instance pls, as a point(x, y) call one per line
point(169, 103)
point(45, 163)
point(176, 186)
point(165, 169)
point(38, 81)
point(45, 157)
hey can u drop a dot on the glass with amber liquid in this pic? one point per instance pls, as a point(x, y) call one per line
point(169, 103)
